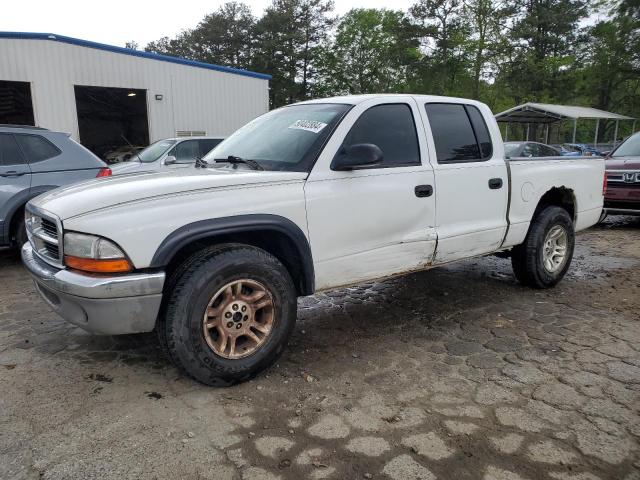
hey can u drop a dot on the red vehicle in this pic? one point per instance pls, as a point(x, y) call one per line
point(623, 178)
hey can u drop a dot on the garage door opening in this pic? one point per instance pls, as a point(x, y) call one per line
point(112, 119)
point(16, 107)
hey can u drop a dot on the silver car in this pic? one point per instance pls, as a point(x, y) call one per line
point(168, 153)
point(35, 160)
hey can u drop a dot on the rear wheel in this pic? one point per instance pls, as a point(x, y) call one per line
point(228, 315)
point(544, 257)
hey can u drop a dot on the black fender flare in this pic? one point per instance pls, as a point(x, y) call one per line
point(19, 201)
point(241, 224)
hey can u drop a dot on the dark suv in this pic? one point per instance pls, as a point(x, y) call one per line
point(32, 161)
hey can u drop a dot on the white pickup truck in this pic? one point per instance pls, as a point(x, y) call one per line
point(305, 198)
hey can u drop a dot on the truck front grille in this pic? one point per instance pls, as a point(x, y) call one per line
point(45, 234)
point(49, 228)
point(52, 250)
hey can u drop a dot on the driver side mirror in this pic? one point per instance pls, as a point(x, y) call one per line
point(170, 159)
point(357, 157)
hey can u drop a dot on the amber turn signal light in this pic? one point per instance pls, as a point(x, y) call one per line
point(118, 265)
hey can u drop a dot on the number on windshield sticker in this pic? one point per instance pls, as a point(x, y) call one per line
point(308, 125)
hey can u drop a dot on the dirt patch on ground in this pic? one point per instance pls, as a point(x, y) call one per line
point(454, 373)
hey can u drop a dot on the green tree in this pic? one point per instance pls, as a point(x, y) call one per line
point(444, 68)
point(630, 8)
point(223, 37)
point(181, 46)
point(610, 78)
point(372, 51)
point(503, 52)
point(542, 44)
point(287, 39)
point(488, 22)
point(314, 23)
point(275, 51)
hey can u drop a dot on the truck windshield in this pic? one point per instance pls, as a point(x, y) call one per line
point(154, 151)
point(630, 148)
point(288, 138)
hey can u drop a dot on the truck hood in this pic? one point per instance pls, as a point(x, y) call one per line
point(100, 193)
point(623, 163)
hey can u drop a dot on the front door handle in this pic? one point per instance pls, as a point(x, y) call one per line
point(495, 183)
point(423, 191)
point(12, 173)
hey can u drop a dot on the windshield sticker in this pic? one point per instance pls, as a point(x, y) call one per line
point(308, 125)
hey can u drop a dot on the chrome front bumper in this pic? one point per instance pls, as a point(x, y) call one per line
point(103, 305)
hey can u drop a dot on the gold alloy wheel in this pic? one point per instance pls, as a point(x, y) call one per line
point(555, 249)
point(239, 319)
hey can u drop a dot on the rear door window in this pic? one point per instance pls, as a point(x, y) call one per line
point(37, 148)
point(10, 153)
point(459, 132)
point(481, 131)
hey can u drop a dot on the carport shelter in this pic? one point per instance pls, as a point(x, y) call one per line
point(536, 114)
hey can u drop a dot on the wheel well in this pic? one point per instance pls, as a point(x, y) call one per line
point(559, 197)
point(276, 243)
point(13, 222)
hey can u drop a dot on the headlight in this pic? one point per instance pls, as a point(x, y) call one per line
point(93, 254)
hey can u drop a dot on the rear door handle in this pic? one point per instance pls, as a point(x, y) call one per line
point(423, 191)
point(495, 183)
point(12, 173)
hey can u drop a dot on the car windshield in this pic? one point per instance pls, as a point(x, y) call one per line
point(154, 151)
point(511, 149)
point(288, 138)
point(629, 148)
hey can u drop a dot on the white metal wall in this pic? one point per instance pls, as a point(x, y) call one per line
point(193, 98)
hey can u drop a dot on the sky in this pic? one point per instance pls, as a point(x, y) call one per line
point(116, 22)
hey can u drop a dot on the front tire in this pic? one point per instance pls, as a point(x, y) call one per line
point(228, 315)
point(545, 256)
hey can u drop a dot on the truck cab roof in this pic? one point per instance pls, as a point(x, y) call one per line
point(356, 99)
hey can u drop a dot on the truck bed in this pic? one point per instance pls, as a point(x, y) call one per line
point(531, 177)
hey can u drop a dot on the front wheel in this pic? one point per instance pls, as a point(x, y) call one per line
point(544, 257)
point(228, 314)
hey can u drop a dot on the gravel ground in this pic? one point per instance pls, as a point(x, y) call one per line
point(456, 373)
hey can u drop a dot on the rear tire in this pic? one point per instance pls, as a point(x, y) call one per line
point(544, 257)
point(212, 287)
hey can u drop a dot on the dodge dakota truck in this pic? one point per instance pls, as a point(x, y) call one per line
point(309, 197)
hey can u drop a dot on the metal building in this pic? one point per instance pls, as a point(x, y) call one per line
point(106, 96)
